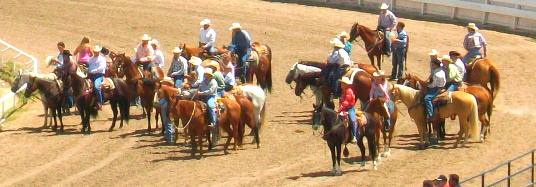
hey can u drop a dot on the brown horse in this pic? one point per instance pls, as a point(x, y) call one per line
point(247, 117)
point(262, 68)
point(229, 120)
point(370, 124)
point(373, 43)
point(85, 100)
point(51, 95)
point(188, 51)
point(482, 72)
point(483, 97)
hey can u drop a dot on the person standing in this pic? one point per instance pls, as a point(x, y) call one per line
point(163, 102)
point(473, 42)
point(207, 37)
point(241, 46)
point(399, 51)
point(96, 70)
point(386, 23)
point(178, 68)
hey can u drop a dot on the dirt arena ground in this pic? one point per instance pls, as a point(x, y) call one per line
point(291, 155)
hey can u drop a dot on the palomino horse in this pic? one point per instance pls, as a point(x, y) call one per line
point(145, 88)
point(85, 100)
point(482, 95)
point(51, 94)
point(261, 67)
point(461, 104)
point(373, 43)
point(482, 72)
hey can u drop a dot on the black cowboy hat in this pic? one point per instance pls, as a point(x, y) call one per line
point(67, 52)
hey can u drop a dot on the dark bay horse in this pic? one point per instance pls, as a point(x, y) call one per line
point(482, 72)
point(24, 78)
point(119, 98)
point(262, 69)
point(85, 100)
point(51, 93)
point(370, 124)
point(336, 133)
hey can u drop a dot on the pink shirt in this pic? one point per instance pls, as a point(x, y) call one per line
point(379, 90)
point(144, 54)
point(83, 56)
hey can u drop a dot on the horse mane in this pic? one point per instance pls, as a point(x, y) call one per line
point(48, 87)
point(316, 64)
point(309, 78)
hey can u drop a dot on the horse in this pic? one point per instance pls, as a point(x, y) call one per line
point(85, 100)
point(261, 67)
point(482, 95)
point(257, 96)
point(51, 95)
point(145, 88)
point(370, 124)
point(188, 51)
point(247, 117)
point(373, 43)
point(24, 78)
point(118, 95)
point(482, 72)
point(302, 67)
point(229, 120)
point(462, 104)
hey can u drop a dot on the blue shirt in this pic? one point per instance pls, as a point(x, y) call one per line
point(208, 87)
point(60, 60)
point(348, 47)
point(402, 40)
point(240, 41)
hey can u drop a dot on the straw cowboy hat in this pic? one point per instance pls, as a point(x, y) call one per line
point(235, 26)
point(343, 34)
point(97, 48)
point(177, 50)
point(346, 80)
point(378, 73)
point(384, 6)
point(155, 42)
point(208, 71)
point(214, 64)
point(472, 26)
point(49, 59)
point(433, 52)
point(446, 58)
point(336, 42)
point(196, 61)
point(204, 22)
point(145, 37)
point(168, 80)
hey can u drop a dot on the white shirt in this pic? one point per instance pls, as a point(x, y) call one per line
point(439, 79)
point(60, 60)
point(97, 64)
point(208, 37)
point(461, 66)
point(158, 58)
point(340, 56)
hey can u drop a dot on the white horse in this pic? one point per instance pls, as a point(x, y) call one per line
point(258, 97)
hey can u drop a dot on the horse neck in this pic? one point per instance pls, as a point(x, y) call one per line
point(408, 95)
point(46, 87)
point(77, 84)
point(131, 71)
point(367, 35)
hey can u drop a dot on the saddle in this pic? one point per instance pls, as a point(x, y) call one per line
point(350, 72)
point(361, 119)
point(107, 84)
point(472, 62)
point(89, 87)
point(442, 99)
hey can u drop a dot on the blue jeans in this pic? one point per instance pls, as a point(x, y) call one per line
point(166, 122)
point(428, 97)
point(243, 56)
point(147, 67)
point(452, 86)
point(398, 63)
point(387, 40)
point(472, 53)
point(353, 121)
point(97, 81)
point(178, 81)
point(211, 111)
point(220, 93)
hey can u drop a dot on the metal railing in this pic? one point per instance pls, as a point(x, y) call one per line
point(510, 174)
point(20, 61)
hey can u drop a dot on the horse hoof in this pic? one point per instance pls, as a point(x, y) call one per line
point(387, 154)
point(110, 130)
point(362, 163)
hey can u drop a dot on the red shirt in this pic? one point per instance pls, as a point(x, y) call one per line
point(347, 99)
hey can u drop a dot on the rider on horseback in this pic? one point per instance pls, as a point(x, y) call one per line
point(386, 24)
point(207, 92)
point(380, 89)
point(241, 46)
point(473, 42)
point(144, 53)
point(343, 36)
point(218, 76)
point(229, 77)
point(207, 37)
point(178, 68)
point(338, 61)
point(454, 77)
point(196, 66)
point(436, 83)
point(96, 70)
point(347, 102)
point(457, 59)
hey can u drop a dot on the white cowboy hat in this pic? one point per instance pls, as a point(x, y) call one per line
point(167, 80)
point(145, 37)
point(378, 73)
point(214, 64)
point(97, 48)
point(472, 26)
point(235, 26)
point(177, 50)
point(336, 42)
point(49, 59)
point(433, 52)
point(196, 61)
point(446, 58)
point(204, 22)
point(343, 34)
point(384, 6)
point(208, 71)
point(155, 42)
point(346, 80)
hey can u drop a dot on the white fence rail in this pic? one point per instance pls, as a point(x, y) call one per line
point(20, 60)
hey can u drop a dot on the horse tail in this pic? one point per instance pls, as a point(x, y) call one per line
point(494, 81)
point(269, 73)
point(263, 117)
point(472, 120)
point(345, 152)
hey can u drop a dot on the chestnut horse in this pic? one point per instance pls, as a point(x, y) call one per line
point(482, 72)
point(247, 117)
point(373, 43)
point(262, 69)
point(188, 51)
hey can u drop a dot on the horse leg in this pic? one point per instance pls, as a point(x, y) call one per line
point(60, 117)
point(88, 113)
point(371, 58)
point(384, 134)
point(113, 105)
point(338, 170)
point(379, 60)
point(423, 137)
point(372, 150)
point(148, 120)
point(55, 128)
point(230, 134)
point(200, 143)
point(361, 149)
point(194, 145)
point(333, 157)
point(257, 137)
point(46, 115)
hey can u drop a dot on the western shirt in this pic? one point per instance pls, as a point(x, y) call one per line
point(207, 37)
point(97, 64)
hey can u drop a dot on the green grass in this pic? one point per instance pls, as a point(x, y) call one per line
point(6, 72)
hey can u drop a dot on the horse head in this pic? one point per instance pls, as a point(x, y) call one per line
point(354, 32)
point(378, 106)
point(317, 111)
point(31, 86)
point(20, 80)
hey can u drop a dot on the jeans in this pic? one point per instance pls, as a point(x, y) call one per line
point(97, 81)
point(452, 86)
point(178, 81)
point(386, 40)
point(210, 50)
point(147, 67)
point(390, 108)
point(353, 121)
point(243, 56)
point(220, 93)
point(472, 53)
point(398, 63)
point(428, 97)
point(211, 111)
point(166, 123)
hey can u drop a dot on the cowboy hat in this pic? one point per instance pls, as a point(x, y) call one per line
point(214, 64)
point(433, 52)
point(378, 73)
point(167, 80)
point(208, 71)
point(145, 37)
point(97, 48)
point(204, 22)
point(343, 34)
point(235, 26)
point(155, 42)
point(346, 80)
point(196, 61)
point(472, 26)
point(446, 58)
point(384, 6)
point(336, 42)
point(177, 50)
point(49, 59)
